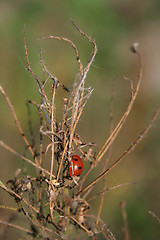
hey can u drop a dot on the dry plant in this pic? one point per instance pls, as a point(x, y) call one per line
point(54, 202)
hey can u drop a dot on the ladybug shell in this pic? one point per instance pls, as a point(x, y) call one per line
point(77, 166)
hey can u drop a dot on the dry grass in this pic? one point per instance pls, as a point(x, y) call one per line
point(55, 203)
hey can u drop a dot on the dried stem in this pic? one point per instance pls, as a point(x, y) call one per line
point(155, 216)
point(18, 196)
point(108, 189)
point(125, 115)
point(2, 144)
point(30, 70)
point(16, 226)
point(18, 124)
point(70, 43)
point(109, 153)
point(126, 232)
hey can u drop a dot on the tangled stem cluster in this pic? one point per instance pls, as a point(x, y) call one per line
point(54, 202)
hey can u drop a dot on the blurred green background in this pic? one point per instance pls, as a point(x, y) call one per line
point(115, 25)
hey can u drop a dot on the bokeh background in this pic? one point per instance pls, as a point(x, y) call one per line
point(115, 25)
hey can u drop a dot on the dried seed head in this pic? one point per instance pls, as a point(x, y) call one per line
point(134, 47)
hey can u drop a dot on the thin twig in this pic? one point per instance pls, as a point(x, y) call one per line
point(109, 153)
point(126, 231)
point(155, 216)
point(70, 43)
point(30, 70)
point(111, 138)
point(18, 196)
point(18, 227)
point(109, 189)
point(18, 124)
point(2, 144)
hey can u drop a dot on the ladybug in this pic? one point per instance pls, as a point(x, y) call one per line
point(77, 166)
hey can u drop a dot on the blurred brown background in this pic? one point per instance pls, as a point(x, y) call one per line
point(115, 25)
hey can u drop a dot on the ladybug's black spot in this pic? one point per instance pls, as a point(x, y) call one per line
point(79, 167)
point(76, 159)
point(78, 175)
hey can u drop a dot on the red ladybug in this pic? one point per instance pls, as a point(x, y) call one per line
point(77, 166)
